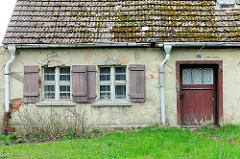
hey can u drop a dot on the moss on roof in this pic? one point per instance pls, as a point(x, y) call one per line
point(75, 21)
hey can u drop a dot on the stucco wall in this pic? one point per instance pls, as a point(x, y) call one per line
point(4, 57)
point(139, 114)
point(231, 79)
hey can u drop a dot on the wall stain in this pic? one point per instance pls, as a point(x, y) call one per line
point(54, 63)
point(237, 77)
point(137, 55)
point(123, 59)
point(110, 61)
point(17, 76)
point(87, 57)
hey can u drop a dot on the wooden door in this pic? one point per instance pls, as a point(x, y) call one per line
point(198, 95)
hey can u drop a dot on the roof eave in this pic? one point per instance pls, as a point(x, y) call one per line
point(158, 44)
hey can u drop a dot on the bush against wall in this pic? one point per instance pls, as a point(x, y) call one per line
point(37, 122)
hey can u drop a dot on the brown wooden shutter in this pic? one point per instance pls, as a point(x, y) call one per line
point(79, 83)
point(92, 83)
point(84, 83)
point(31, 84)
point(137, 83)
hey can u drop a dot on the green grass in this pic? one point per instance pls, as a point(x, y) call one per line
point(146, 143)
point(229, 133)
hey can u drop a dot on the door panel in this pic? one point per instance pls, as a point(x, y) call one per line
point(204, 105)
point(187, 105)
point(197, 98)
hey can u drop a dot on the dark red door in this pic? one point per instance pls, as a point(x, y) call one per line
point(198, 95)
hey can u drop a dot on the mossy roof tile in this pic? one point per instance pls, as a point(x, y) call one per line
point(108, 21)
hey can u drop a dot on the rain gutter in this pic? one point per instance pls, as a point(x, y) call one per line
point(158, 44)
point(81, 45)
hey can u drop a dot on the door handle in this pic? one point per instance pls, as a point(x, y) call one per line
point(181, 95)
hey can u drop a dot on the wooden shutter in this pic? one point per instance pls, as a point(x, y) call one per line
point(92, 83)
point(31, 84)
point(137, 83)
point(84, 83)
point(79, 83)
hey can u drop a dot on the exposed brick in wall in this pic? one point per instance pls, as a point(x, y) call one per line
point(40, 82)
point(15, 104)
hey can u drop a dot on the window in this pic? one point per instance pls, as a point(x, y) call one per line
point(56, 83)
point(112, 83)
point(197, 76)
point(227, 4)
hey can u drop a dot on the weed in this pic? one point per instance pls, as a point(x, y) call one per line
point(19, 140)
point(8, 139)
point(118, 128)
point(96, 131)
point(88, 136)
point(70, 133)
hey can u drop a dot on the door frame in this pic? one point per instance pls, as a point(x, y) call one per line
point(219, 92)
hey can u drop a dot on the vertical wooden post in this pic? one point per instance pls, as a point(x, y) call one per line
point(5, 126)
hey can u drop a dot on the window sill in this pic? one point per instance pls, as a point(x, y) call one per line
point(56, 104)
point(111, 103)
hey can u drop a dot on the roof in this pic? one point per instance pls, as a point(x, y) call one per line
point(110, 21)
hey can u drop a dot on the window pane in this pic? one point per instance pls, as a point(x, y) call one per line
point(197, 76)
point(49, 73)
point(64, 77)
point(49, 88)
point(49, 70)
point(208, 76)
point(104, 77)
point(120, 92)
point(104, 88)
point(120, 69)
point(105, 92)
point(64, 74)
point(49, 77)
point(105, 74)
point(120, 73)
point(104, 70)
point(187, 76)
point(64, 95)
point(64, 88)
point(49, 92)
point(105, 95)
point(64, 70)
point(120, 77)
point(49, 95)
point(64, 91)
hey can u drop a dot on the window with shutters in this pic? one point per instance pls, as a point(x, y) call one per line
point(112, 82)
point(56, 85)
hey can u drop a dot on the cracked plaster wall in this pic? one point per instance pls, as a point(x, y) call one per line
point(4, 57)
point(139, 114)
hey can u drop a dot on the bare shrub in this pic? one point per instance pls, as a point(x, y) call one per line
point(39, 123)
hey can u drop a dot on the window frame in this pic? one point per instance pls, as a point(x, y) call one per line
point(112, 83)
point(57, 83)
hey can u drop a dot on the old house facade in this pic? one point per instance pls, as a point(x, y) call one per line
point(123, 63)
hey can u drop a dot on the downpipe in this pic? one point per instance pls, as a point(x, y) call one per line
point(167, 49)
point(12, 50)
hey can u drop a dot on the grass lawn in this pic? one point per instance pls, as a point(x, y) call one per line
point(146, 143)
